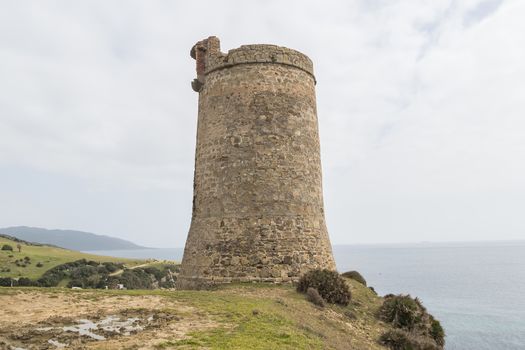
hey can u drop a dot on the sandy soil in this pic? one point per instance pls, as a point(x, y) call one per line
point(36, 320)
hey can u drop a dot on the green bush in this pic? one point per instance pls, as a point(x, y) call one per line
point(415, 326)
point(402, 311)
point(7, 247)
point(313, 296)
point(154, 271)
point(6, 282)
point(52, 277)
point(330, 285)
point(398, 339)
point(25, 282)
point(83, 272)
point(92, 274)
point(437, 332)
point(93, 281)
point(50, 280)
point(133, 279)
point(355, 276)
point(112, 267)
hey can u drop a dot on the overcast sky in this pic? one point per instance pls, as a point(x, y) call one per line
point(421, 107)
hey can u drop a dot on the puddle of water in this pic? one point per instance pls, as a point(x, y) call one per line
point(57, 343)
point(96, 330)
point(110, 324)
point(114, 325)
point(84, 327)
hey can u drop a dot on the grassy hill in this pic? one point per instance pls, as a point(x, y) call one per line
point(242, 316)
point(47, 256)
point(235, 316)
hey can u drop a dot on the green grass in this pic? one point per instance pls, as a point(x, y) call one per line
point(283, 319)
point(48, 256)
point(246, 323)
point(246, 316)
point(265, 316)
point(258, 316)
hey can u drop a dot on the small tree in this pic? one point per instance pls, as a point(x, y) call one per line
point(19, 247)
point(7, 247)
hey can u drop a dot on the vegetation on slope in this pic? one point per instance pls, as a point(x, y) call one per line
point(355, 276)
point(414, 327)
point(238, 316)
point(328, 284)
point(334, 312)
point(40, 258)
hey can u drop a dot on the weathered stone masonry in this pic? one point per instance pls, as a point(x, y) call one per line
point(258, 205)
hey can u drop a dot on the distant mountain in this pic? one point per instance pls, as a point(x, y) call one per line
point(69, 239)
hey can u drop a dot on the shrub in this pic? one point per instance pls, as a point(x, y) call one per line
point(398, 339)
point(154, 271)
point(91, 274)
point(83, 272)
point(330, 285)
point(416, 327)
point(93, 281)
point(133, 279)
point(437, 332)
point(49, 280)
point(314, 297)
point(402, 311)
point(7, 247)
point(112, 267)
point(356, 276)
point(25, 282)
point(6, 282)
point(52, 277)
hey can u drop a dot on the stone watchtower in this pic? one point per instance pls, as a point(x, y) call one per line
point(257, 199)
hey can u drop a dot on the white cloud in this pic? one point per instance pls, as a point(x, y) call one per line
point(420, 108)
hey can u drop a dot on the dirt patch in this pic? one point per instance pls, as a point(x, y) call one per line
point(89, 321)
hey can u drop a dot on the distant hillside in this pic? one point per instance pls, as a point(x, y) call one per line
point(69, 239)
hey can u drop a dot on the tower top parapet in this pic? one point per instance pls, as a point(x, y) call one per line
point(209, 58)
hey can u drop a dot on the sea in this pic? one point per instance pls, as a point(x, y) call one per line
point(476, 289)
